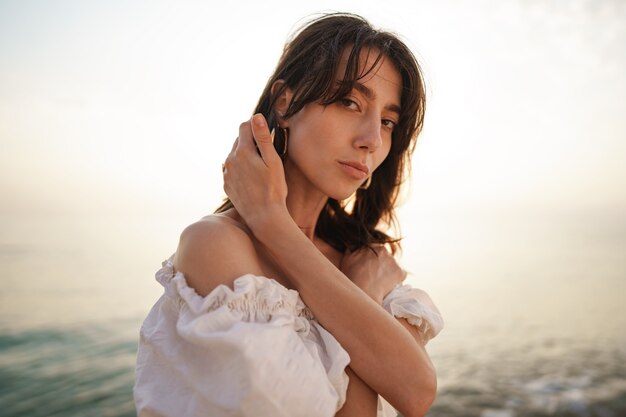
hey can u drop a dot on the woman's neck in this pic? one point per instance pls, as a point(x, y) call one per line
point(305, 208)
point(304, 201)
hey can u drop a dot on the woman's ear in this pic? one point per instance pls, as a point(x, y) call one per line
point(282, 101)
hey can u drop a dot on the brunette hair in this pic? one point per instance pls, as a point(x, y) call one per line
point(308, 67)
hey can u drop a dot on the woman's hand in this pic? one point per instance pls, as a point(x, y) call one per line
point(254, 183)
point(376, 271)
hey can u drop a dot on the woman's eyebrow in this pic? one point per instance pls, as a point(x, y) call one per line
point(371, 96)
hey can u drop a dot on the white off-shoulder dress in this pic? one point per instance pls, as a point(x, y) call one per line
point(254, 350)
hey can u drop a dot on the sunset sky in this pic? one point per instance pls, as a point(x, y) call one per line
point(119, 107)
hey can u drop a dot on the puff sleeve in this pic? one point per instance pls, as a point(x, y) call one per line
point(416, 307)
point(254, 350)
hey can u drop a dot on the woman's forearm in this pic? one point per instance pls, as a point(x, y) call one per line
point(383, 353)
point(361, 400)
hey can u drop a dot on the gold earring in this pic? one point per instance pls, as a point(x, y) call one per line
point(366, 184)
point(285, 142)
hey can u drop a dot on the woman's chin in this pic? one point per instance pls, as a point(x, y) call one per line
point(340, 195)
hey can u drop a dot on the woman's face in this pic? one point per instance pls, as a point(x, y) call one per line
point(334, 148)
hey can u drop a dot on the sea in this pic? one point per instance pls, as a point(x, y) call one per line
point(535, 311)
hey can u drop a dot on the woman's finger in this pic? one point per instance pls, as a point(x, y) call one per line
point(263, 139)
point(235, 145)
point(230, 155)
point(245, 141)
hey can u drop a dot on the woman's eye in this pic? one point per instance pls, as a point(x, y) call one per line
point(388, 123)
point(346, 102)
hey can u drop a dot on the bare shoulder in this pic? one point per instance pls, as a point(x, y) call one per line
point(214, 251)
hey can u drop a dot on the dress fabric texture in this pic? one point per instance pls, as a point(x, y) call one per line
point(253, 350)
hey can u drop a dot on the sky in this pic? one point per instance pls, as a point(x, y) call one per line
point(128, 108)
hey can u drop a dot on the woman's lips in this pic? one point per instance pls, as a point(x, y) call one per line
point(356, 170)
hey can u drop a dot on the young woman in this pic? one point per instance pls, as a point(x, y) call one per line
point(288, 301)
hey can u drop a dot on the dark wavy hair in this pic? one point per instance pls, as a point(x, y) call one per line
point(308, 66)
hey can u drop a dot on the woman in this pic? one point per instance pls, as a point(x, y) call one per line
point(279, 303)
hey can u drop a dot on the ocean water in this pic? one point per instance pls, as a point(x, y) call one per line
point(535, 323)
point(67, 372)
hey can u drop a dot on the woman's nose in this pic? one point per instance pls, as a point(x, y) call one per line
point(369, 137)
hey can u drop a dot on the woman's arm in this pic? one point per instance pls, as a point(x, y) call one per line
point(383, 352)
point(375, 273)
point(361, 400)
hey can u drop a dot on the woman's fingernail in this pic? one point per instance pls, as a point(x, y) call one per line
point(258, 120)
